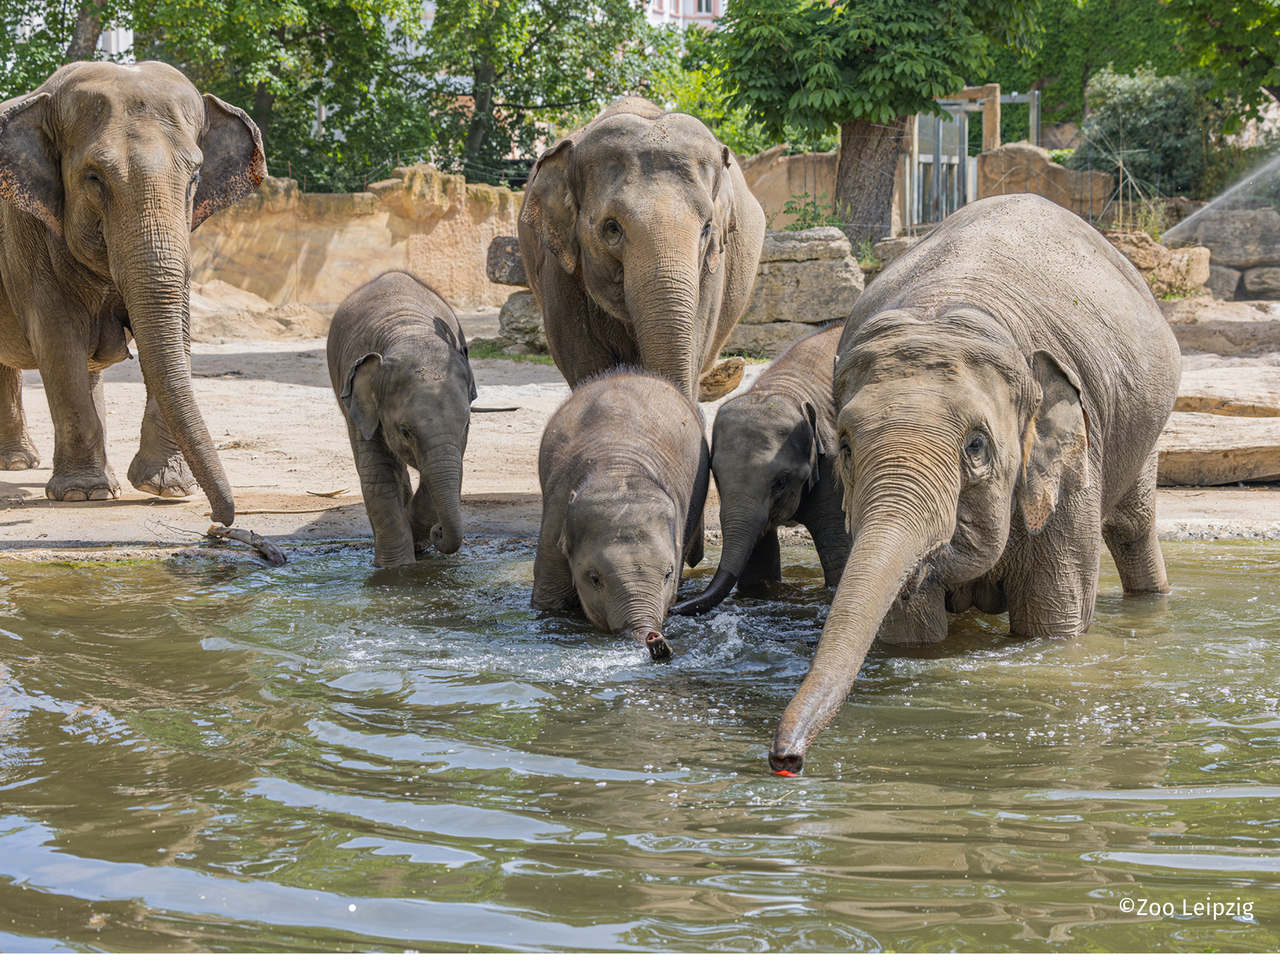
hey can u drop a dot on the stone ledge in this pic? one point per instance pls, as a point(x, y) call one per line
point(816, 243)
point(1204, 450)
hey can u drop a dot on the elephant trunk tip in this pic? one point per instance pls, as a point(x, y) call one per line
point(656, 644)
point(786, 764)
point(445, 542)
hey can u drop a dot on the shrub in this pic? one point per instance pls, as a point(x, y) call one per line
point(1155, 134)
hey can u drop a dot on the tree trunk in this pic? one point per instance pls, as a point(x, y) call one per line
point(84, 39)
point(482, 97)
point(864, 179)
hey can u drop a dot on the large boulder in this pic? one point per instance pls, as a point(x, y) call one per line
point(1201, 449)
point(1177, 272)
point(520, 321)
point(1233, 391)
point(1214, 326)
point(1224, 282)
point(1239, 233)
point(805, 276)
point(1025, 168)
point(1262, 283)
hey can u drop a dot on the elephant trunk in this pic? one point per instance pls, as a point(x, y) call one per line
point(442, 473)
point(741, 529)
point(662, 299)
point(901, 517)
point(157, 295)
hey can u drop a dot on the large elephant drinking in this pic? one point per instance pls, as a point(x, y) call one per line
point(1001, 388)
point(640, 240)
point(104, 172)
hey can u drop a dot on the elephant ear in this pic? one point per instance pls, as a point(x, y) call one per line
point(234, 162)
point(30, 174)
point(445, 333)
point(359, 396)
point(1055, 454)
point(818, 450)
point(725, 219)
point(550, 207)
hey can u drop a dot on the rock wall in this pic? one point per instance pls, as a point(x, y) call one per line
point(1243, 237)
point(774, 178)
point(315, 248)
point(806, 279)
point(1025, 168)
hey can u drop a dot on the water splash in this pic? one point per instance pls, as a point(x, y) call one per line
point(1268, 173)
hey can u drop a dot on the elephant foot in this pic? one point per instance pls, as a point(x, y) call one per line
point(721, 380)
point(77, 487)
point(20, 457)
point(163, 478)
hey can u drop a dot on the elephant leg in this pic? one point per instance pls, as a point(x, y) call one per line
point(918, 619)
point(422, 516)
point(80, 468)
point(384, 482)
point(1130, 534)
point(553, 587)
point(765, 563)
point(1051, 580)
point(17, 452)
point(822, 514)
point(159, 466)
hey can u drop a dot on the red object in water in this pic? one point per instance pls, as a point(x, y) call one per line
point(786, 773)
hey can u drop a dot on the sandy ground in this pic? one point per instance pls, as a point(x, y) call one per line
point(284, 446)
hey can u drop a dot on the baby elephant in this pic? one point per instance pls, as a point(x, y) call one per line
point(773, 453)
point(624, 468)
point(398, 363)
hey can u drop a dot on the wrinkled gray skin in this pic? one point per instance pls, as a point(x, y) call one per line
point(104, 172)
point(398, 364)
point(640, 240)
point(1001, 389)
point(624, 468)
point(773, 455)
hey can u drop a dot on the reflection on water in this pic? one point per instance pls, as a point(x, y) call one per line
point(211, 756)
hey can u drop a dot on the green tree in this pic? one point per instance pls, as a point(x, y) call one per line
point(864, 66)
point(1237, 42)
point(519, 62)
point(38, 36)
point(1080, 38)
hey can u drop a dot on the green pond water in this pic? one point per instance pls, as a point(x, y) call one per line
point(204, 755)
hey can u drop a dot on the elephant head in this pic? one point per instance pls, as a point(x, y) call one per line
point(422, 405)
point(121, 163)
point(623, 543)
point(637, 209)
point(765, 451)
point(947, 434)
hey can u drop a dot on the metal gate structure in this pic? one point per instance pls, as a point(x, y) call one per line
point(941, 177)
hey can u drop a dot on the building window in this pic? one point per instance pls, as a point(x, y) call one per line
point(704, 6)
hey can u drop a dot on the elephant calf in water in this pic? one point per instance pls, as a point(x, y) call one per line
point(398, 363)
point(624, 468)
point(773, 455)
point(1001, 389)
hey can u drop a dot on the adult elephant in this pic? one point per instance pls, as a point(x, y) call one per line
point(104, 172)
point(1001, 388)
point(640, 240)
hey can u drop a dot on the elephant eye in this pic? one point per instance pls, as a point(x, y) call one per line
point(976, 445)
point(594, 578)
point(706, 230)
point(781, 482)
point(669, 574)
point(612, 230)
point(406, 432)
